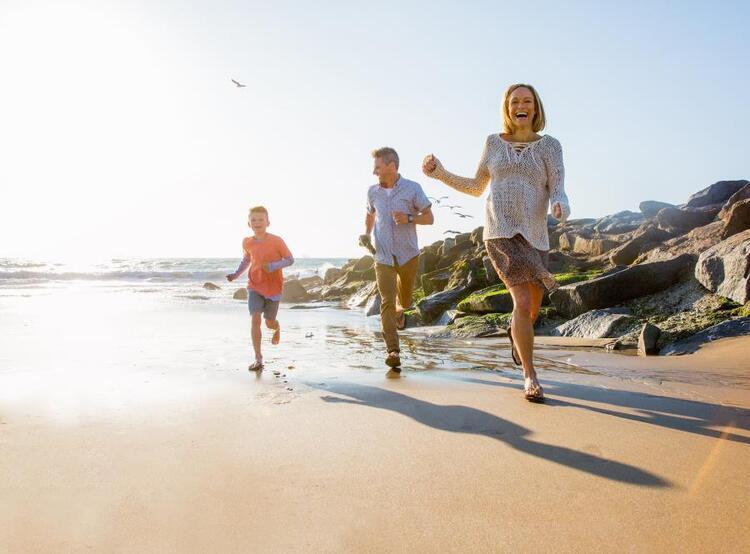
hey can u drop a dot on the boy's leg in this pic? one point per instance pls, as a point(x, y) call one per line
point(407, 275)
point(386, 278)
point(270, 312)
point(255, 305)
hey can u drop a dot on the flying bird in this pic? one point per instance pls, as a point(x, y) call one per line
point(437, 200)
point(463, 216)
point(453, 232)
point(238, 84)
point(451, 207)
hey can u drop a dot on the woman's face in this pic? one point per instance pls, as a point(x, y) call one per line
point(521, 107)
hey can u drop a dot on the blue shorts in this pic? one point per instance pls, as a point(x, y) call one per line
point(260, 304)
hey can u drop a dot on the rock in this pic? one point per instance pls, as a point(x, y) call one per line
point(373, 306)
point(431, 307)
point(477, 236)
point(364, 263)
point(240, 294)
point(435, 281)
point(647, 340)
point(718, 193)
point(695, 242)
point(211, 286)
point(332, 273)
point(725, 268)
point(621, 222)
point(495, 299)
point(683, 220)
point(558, 262)
point(359, 299)
point(294, 292)
point(462, 238)
point(448, 243)
point(428, 259)
point(643, 240)
point(310, 282)
point(650, 208)
point(492, 277)
point(593, 246)
point(610, 290)
point(451, 255)
point(448, 317)
point(596, 324)
point(730, 328)
point(742, 194)
point(473, 326)
point(736, 218)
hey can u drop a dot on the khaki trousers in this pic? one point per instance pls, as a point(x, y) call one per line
point(396, 286)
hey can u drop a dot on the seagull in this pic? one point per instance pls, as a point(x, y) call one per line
point(451, 207)
point(239, 85)
point(437, 200)
point(463, 216)
point(453, 232)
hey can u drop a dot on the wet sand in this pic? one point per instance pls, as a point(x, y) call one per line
point(133, 426)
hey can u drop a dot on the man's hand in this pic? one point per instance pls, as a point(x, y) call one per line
point(400, 218)
point(557, 210)
point(365, 241)
point(231, 277)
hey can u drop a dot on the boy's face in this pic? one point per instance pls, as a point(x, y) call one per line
point(258, 221)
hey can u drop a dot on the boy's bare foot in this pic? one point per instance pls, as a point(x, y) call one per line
point(276, 338)
point(256, 366)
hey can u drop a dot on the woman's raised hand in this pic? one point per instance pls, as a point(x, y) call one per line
point(557, 210)
point(430, 164)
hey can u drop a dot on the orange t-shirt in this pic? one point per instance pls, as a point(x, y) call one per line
point(269, 250)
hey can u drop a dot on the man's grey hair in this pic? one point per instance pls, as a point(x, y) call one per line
point(387, 154)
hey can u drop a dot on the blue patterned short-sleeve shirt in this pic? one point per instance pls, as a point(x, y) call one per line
point(392, 240)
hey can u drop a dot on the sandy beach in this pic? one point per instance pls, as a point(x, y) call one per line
point(130, 424)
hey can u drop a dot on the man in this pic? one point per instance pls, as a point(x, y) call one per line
point(395, 206)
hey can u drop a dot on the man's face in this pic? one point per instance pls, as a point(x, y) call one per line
point(385, 172)
point(258, 221)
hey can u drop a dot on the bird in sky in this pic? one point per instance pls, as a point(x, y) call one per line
point(463, 216)
point(238, 84)
point(451, 207)
point(451, 232)
point(437, 200)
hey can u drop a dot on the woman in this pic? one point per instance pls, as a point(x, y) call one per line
point(525, 173)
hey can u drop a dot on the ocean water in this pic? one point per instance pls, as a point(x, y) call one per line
point(137, 274)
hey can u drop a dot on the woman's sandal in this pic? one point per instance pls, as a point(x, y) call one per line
point(255, 366)
point(532, 390)
point(513, 353)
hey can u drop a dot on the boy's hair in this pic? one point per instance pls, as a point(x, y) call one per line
point(258, 210)
point(387, 154)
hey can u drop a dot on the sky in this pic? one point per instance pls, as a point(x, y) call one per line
point(121, 134)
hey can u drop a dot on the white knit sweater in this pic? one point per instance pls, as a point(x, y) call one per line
point(522, 186)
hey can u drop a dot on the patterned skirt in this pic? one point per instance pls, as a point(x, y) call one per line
point(517, 262)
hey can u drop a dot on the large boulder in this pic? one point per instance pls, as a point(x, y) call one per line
point(450, 255)
point(695, 242)
point(613, 289)
point(294, 291)
point(621, 222)
point(364, 263)
point(718, 193)
point(725, 268)
point(428, 259)
point(643, 240)
point(650, 208)
point(211, 286)
point(359, 299)
point(331, 274)
point(596, 324)
point(431, 307)
point(730, 328)
point(240, 294)
point(736, 218)
point(311, 281)
point(373, 305)
point(742, 194)
point(648, 339)
point(683, 220)
point(435, 281)
point(594, 246)
point(495, 299)
point(477, 236)
point(492, 277)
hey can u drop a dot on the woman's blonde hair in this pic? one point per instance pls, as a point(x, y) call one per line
point(539, 121)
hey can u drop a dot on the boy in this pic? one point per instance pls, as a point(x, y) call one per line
point(265, 254)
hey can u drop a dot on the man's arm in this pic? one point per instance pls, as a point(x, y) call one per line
point(369, 222)
point(426, 217)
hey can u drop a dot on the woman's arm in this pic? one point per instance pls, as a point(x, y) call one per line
point(473, 186)
point(556, 179)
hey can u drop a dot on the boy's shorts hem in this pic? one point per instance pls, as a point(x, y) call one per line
point(257, 303)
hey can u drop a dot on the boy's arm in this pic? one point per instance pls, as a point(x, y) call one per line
point(286, 258)
point(244, 264)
